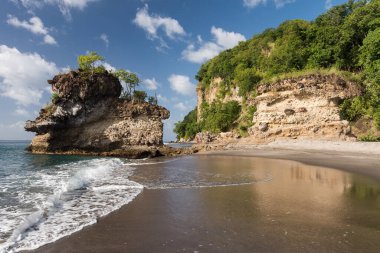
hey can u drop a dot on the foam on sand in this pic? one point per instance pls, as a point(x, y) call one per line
point(80, 193)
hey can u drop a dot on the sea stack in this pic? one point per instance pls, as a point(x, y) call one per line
point(87, 116)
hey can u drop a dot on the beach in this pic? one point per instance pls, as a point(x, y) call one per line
point(246, 199)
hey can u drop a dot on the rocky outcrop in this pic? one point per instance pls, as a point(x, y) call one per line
point(304, 107)
point(216, 92)
point(87, 116)
point(300, 107)
point(221, 138)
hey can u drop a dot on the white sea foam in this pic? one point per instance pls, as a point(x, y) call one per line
point(54, 203)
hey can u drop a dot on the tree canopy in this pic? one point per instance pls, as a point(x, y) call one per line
point(346, 38)
point(89, 61)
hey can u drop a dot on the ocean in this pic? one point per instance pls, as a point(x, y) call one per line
point(46, 197)
point(204, 203)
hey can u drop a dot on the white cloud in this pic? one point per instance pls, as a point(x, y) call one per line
point(150, 84)
point(152, 23)
point(64, 5)
point(23, 75)
point(162, 98)
point(205, 52)
point(49, 40)
point(14, 131)
point(226, 39)
point(105, 39)
point(182, 85)
point(328, 4)
point(108, 66)
point(281, 3)
point(34, 25)
point(181, 106)
point(222, 40)
point(255, 3)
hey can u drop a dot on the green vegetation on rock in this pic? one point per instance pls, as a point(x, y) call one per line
point(188, 128)
point(216, 117)
point(345, 40)
point(92, 63)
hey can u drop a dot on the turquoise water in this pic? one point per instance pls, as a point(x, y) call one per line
point(46, 197)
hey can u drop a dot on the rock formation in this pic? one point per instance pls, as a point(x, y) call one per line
point(87, 116)
point(302, 107)
point(213, 93)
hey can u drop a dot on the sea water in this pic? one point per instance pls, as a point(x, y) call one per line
point(46, 197)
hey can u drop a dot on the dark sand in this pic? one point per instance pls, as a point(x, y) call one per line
point(288, 207)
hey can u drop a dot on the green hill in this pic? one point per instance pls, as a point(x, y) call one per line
point(344, 40)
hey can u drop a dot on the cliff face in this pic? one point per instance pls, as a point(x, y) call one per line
point(302, 107)
point(87, 115)
point(214, 92)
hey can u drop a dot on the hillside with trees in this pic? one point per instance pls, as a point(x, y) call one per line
point(345, 40)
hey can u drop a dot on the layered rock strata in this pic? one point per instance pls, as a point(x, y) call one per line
point(87, 117)
point(305, 107)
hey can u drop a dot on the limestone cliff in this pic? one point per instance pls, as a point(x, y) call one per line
point(87, 116)
point(306, 107)
point(299, 107)
point(216, 91)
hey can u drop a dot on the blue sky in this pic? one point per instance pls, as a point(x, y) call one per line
point(163, 41)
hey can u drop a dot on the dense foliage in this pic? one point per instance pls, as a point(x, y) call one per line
point(91, 62)
point(219, 117)
point(346, 38)
point(216, 117)
point(189, 127)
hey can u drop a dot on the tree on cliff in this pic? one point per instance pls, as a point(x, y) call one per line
point(89, 61)
point(131, 81)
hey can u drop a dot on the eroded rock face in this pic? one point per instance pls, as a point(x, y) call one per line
point(213, 93)
point(302, 107)
point(88, 115)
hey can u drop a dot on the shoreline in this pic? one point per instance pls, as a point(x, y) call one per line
point(355, 157)
point(127, 218)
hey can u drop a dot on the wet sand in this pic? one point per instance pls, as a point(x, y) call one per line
point(234, 202)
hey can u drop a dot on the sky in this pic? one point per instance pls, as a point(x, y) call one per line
point(163, 41)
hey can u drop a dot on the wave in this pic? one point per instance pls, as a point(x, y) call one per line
point(82, 192)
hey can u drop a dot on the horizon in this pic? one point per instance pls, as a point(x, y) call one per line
point(159, 40)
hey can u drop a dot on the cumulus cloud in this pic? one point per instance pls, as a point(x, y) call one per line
point(150, 84)
point(281, 3)
point(108, 66)
point(255, 3)
point(64, 5)
point(226, 39)
point(222, 40)
point(34, 25)
point(162, 98)
point(152, 24)
point(23, 75)
point(105, 39)
point(181, 84)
